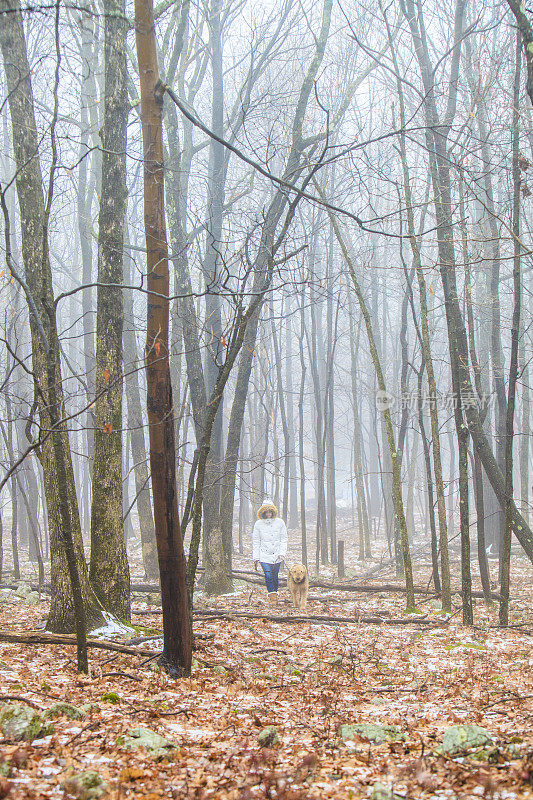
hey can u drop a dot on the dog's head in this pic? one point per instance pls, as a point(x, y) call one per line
point(298, 573)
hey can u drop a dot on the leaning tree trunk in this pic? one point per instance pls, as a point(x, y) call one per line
point(177, 633)
point(67, 557)
point(109, 570)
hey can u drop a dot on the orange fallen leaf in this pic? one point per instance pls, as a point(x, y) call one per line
point(108, 428)
point(107, 375)
point(157, 347)
point(131, 774)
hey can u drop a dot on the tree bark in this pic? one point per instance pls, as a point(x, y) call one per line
point(456, 329)
point(177, 633)
point(505, 555)
point(109, 570)
point(136, 423)
point(70, 582)
point(396, 477)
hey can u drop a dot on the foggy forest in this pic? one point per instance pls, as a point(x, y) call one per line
point(266, 476)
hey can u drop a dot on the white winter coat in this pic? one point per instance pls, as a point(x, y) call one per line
point(269, 540)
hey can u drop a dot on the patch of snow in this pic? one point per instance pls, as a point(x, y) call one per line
point(44, 741)
point(47, 772)
point(113, 627)
point(190, 733)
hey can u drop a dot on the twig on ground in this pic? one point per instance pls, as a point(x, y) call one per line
point(88, 727)
point(19, 699)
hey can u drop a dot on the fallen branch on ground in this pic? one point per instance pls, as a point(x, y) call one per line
point(315, 619)
point(34, 637)
point(365, 588)
point(18, 699)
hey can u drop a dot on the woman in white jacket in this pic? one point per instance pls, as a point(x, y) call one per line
point(269, 541)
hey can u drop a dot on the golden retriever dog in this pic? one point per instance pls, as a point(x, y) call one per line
point(298, 586)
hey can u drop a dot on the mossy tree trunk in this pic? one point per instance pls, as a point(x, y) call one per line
point(109, 570)
point(67, 556)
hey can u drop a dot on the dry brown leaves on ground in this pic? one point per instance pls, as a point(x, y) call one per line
point(306, 680)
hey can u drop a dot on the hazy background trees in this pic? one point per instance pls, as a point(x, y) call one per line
point(330, 170)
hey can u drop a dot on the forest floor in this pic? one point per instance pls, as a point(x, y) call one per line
point(305, 679)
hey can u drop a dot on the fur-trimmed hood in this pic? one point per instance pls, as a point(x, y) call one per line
point(267, 506)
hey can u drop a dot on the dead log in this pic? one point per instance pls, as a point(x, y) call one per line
point(207, 614)
point(365, 588)
point(317, 619)
point(39, 637)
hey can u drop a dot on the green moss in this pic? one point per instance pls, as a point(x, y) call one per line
point(111, 697)
point(86, 785)
point(143, 630)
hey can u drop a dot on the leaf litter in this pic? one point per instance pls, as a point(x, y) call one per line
point(305, 681)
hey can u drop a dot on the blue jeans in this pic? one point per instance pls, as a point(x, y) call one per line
point(271, 576)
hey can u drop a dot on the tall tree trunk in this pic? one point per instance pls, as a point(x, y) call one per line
point(219, 550)
point(70, 586)
point(292, 521)
point(316, 365)
point(479, 495)
point(364, 525)
point(88, 177)
point(525, 430)
point(396, 477)
point(330, 418)
point(283, 413)
point(301, 456)
point(505, 556)
point(12, 488)
point(429, 485)
point(439, 162)
point(136, 425)
point(177, 633)
point(109, 570)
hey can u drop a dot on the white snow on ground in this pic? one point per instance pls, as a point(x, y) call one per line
point(113, 627)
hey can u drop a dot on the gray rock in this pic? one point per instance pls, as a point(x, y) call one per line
point(65, 710)
point(19, 722)
point(460, 738)
point(372, 732)
point(268, 736)
point(144, 737)
point(88, 785)
point(382, 792)
point(5, 768)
